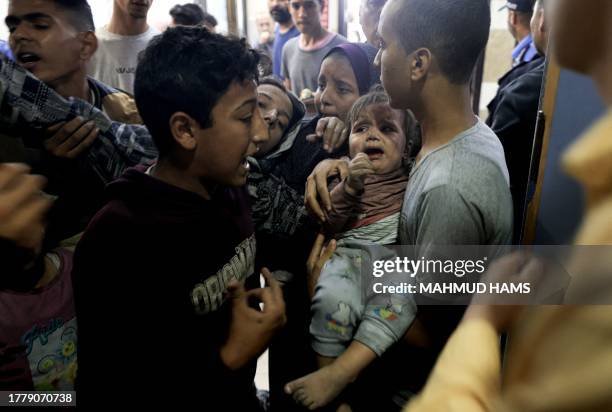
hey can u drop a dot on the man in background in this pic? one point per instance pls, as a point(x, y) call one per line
point(284, 31)
point(265, 42)
point(119, 43)
point(519, 18)
point(302, 55)
point(513, 116)
point(369, 15)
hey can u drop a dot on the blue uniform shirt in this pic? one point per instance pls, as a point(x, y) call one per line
point(524, 52)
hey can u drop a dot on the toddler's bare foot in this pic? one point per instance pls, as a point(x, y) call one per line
point(318, 388)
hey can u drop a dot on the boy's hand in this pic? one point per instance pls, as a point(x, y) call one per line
point(70, 139)
point(359, 168)
point(22, 206)
point(316, 186)
point(332, 130)
point(251, 329)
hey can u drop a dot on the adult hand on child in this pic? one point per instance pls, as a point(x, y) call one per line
point(22, 206)
point(517, 267)
point(251, 329)
point(70, 139)
point(319, 255)
point(332, 130)
point(316, 186)
point(359, 168)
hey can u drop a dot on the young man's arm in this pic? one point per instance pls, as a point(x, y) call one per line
point(118, 146)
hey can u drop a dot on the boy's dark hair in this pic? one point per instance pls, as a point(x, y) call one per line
point(188, 69)
point(80, 12)
point(189, 14)
point(456, 32)
point(376, 96)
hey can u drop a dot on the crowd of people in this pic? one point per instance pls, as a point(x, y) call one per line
point(173, 204)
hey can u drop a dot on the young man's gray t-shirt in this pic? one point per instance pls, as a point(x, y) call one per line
point(302, 66)
point(459, 194)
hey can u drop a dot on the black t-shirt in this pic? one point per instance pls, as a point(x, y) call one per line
point(150, 275)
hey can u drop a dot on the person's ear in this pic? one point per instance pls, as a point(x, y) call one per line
point(542, 26)
point(183, 128)
point(89, 45)
point(420, 65)
point(512, 17)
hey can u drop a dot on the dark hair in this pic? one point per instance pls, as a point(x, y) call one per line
point(189, 14)
point(273, 81)
point(456, 32)
point(321, 3)
point(188, 69)
point(376, 96)
point(210, 19)
point(80, 12)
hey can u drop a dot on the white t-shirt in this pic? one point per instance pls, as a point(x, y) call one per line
point(116, 59)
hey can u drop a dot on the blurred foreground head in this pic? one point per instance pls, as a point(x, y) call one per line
point(582, 37)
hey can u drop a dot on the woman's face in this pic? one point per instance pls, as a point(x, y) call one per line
point(276, 109)
point(338, 88)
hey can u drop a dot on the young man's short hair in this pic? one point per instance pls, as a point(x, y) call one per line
point(455, 31)
point(81, 16)
point(188, 69)
point(322, 4)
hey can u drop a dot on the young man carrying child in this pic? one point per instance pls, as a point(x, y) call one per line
point(158, 263)
point(459, 190)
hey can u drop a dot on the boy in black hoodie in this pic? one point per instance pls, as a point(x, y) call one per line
point(160, 273)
